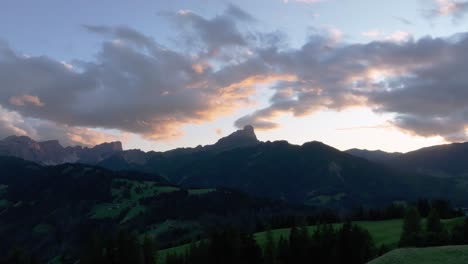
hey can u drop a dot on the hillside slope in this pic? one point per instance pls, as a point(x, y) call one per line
point(50, 209)
point(313, 173)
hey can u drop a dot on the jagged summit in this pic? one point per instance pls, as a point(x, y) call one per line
point(240, 138)
point(248, 131)
point(52, 152)
point(18, 139)
point(109, 146)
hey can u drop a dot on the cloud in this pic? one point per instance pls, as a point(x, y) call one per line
point(212, 35)
point(451, 8)
point(149, 93)
point(396, 36)
point(136, 85)
point(26, 99)
point(238, 13)
point(12, 123)
point(375, 34)
point(422, 83)
point(399, 36)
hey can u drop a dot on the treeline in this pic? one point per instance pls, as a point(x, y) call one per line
point(432, 232)
point(101, 248)
point(236, 244)
point(398, 210)
point(122, 248)
point(347, 244)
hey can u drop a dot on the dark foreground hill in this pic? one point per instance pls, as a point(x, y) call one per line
point(374, 155)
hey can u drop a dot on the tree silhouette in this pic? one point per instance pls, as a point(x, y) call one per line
point(411, 234)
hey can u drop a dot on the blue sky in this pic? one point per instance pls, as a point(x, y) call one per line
point(80, 35)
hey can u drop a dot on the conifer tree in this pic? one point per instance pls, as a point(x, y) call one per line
point(411, 234)
point(270, 249)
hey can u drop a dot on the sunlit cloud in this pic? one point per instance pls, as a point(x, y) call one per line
point(449, 8)
point(399, 36)
point(25, 100)
point(223, 63)
point(374, 34)
point(396, 36)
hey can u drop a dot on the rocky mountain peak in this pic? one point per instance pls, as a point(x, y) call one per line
point(51, 152)
point(241, 138)
point(109, 146)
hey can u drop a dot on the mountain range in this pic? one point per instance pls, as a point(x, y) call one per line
point(52, 153)
point(450, 160)
point(51, 196)
point(313, 173)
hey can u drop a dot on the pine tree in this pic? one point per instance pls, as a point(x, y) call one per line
point(433, 223)
point(250, 251)
point(411, 235)
point(149, 250)
point(283, 251)
point(294, 244)
point(270, 249)
point(435, 233)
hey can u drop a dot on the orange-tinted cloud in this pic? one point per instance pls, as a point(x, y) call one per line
point(25, 100)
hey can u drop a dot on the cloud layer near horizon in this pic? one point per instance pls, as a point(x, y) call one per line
point(136, 85)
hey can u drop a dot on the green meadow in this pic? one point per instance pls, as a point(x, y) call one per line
point(432, 255)
point(385, 232)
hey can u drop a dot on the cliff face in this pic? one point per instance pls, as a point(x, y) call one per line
point(51, 152)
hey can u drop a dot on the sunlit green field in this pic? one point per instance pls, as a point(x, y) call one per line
point(385, 232)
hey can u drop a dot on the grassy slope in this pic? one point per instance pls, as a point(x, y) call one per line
point(434, 255)
point(383, 232)
point(129, 202)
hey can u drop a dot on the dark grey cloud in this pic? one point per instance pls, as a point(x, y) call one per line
point(136, 85)
point(124, 89)
point(238, 13)
point(123, 33)
point(211, 35)
point(425, 84)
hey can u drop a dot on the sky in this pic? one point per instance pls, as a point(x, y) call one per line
point(158, 75)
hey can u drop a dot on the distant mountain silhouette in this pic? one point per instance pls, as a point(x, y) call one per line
point(139, 160)
point(51, 152)
point(313, 173)
point(449, 160)
point(373, 155)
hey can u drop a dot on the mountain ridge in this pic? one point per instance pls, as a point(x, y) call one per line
point(312, 173)
point(51, 152)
